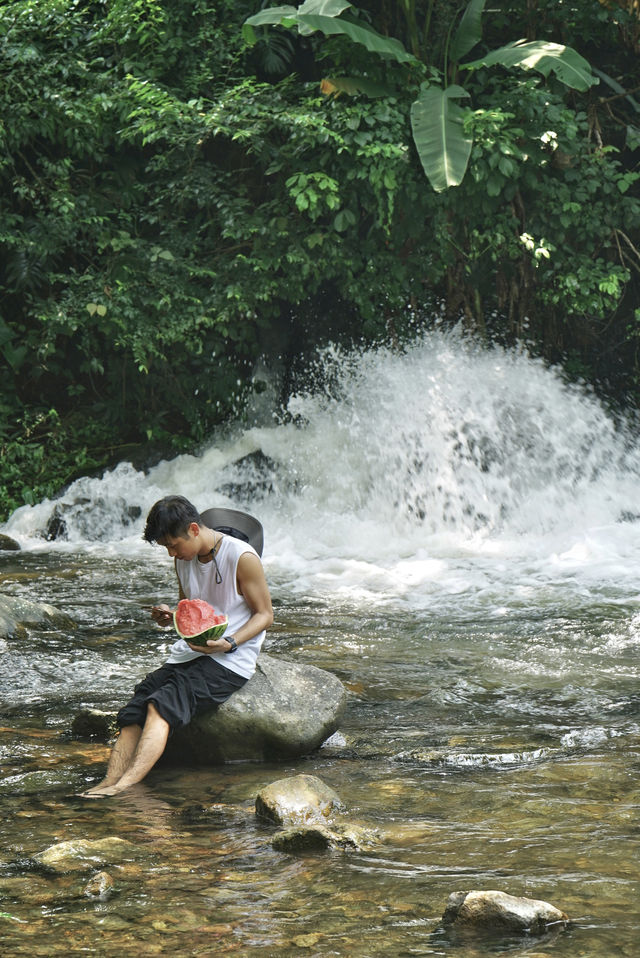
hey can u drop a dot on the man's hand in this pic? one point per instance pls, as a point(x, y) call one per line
point(162, 615)
point(213, 645)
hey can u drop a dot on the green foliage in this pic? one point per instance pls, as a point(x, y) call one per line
point(554, 213)
point(39, 455)
point(167, 216)
point(436, 120)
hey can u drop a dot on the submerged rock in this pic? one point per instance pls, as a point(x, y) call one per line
point(83, 854)
point(297, 800)
point(40, 782)
point(319, 837)
point(17, 613)
point(303, 838)
point(100, 886)
point(496, 911)
point(252, 477)
point(285, 710)
point(305, 804)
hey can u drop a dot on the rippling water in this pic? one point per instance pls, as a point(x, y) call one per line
point(454, 533)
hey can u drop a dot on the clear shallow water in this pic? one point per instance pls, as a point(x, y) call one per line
point(453, 533)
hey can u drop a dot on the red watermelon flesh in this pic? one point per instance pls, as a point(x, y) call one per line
point(197, 621)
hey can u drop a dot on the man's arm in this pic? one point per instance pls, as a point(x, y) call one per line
point(252, 585)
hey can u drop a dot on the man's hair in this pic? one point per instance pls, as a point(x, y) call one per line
point(170, 516)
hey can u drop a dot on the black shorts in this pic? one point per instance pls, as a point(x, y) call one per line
point(181, 690)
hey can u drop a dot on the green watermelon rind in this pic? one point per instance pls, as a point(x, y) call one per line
point(201, 638)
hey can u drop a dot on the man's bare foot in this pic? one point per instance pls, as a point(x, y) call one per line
point(101, 791)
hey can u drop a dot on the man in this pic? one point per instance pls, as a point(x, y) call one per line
point(227, 573)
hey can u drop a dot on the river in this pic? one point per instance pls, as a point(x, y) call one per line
point(452, 531)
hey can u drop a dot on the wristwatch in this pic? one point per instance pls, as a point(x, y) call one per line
point(232, 642)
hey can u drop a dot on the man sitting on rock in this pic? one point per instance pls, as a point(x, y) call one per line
point(227, 573)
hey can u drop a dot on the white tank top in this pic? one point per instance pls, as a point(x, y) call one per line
point(198, 581)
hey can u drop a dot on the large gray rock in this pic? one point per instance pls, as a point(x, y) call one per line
point(496, 911)
point(285, 710)
point(17, 613)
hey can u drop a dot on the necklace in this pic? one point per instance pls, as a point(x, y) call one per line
point(216, 546)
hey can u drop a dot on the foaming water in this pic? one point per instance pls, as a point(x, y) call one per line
point(443, 470)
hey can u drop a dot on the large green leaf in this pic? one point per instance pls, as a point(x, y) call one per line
point(543, 56)
point(274, 16)
point(288, 15)
point(359, 33)
point(323, 15)
point(469, 31)
point(443, 148)
point(324, 8)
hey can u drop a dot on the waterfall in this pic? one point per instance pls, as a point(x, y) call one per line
point(397, 472)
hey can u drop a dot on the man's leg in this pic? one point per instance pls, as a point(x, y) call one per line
point(149, 746)
point(120, 758)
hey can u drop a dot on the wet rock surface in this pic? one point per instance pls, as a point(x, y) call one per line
point(306, 806)
point(497, 911)
point(7, 544)
point(86, 854)
point(297, 800)
point(285, 710)
point(94, 723)
point(84, 514)
point(16, 614)
point(318, 837)
point(100, 886)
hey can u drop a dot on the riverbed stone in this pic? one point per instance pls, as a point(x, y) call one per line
point(100, 886)
point(85, 854)
point(43, 781)
point(297, 800)
point(497, 911)
point(8, 544)
point(16, 614)
point(286, 710)
point(94, 723)
point(320, 837)
point(303, 838)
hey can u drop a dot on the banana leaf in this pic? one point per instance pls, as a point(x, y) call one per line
point(438, 133)
point(469, 31)
point(543, 56)
point(322, 15)
point(325, 8)
point(359, 33)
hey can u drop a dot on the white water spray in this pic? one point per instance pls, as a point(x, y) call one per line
point(447, 469)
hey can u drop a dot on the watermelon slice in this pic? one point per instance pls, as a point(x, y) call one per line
point(196, 621)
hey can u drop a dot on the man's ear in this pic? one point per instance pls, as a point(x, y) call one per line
point(194, 529)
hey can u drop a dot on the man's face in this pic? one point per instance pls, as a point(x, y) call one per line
point(182, 547)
